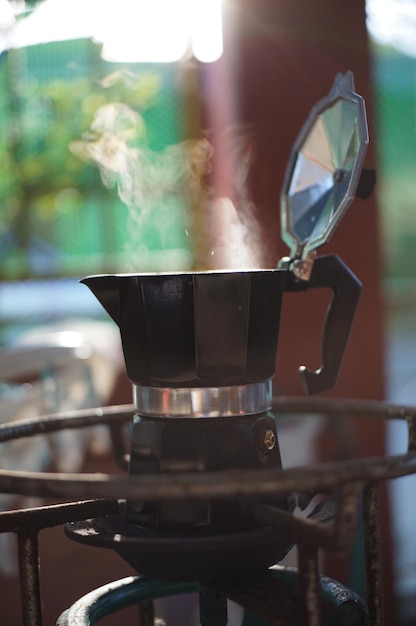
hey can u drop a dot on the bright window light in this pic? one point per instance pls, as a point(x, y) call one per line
point(155, 31)
point(393, 22)
point(143, 30)
point(207, 41)
point(7, 18)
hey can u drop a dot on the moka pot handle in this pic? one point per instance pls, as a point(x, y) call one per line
point(329, 271)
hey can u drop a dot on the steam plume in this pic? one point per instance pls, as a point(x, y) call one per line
point(221, 224)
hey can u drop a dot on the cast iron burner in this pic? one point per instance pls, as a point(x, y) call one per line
point(234, 566)
point(193, 556)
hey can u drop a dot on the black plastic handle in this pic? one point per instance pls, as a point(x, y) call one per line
point(330, 271)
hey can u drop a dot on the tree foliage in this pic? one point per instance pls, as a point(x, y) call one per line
point(42, 183)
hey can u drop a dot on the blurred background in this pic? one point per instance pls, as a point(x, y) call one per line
point(153, 136)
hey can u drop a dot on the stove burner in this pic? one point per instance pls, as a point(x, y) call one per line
point(204, 558)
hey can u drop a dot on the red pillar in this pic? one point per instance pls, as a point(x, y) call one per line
point(283, 58)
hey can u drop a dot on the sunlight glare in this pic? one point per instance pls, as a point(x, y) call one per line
point(207, 39)
point(137, 31)
point(393, 22)
point(153, 32)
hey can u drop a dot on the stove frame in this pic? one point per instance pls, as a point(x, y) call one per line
point(357, 481)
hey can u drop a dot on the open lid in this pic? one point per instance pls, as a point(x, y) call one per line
point(324, 168)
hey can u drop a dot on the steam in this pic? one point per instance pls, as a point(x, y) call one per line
point(221, 226)
point(234, 214)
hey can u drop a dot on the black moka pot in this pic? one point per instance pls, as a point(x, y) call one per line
point(200, 348)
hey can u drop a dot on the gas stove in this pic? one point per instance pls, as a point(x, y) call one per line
point(280, 595)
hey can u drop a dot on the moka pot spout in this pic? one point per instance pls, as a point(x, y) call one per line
point(106, 288)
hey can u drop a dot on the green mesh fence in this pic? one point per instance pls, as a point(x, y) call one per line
point(394, 80)
point(56, 216)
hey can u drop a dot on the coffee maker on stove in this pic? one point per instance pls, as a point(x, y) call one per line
point(200, 350)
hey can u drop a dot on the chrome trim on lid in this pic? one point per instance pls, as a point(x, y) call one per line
point(195, 402)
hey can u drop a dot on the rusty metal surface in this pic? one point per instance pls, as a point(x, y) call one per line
point(27, 523)
point(325, 476)
point(37, 518)
point(347, 516)
point(353, 479)
point(28, 555)
point(216, 484)
point(309, 584)
point(372, 546)
point(81, 418)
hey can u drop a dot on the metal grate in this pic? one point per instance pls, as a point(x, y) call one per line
point(355, 481)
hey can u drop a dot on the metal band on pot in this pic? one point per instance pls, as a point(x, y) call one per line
point(198, 402)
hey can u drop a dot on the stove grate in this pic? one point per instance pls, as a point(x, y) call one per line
point(355, 481)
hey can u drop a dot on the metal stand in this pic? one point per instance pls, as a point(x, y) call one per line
point(355, 481)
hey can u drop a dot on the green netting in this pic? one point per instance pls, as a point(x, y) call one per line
point(394, 79)
point(395, 103)
point(56, 215)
